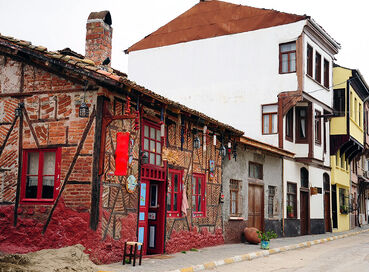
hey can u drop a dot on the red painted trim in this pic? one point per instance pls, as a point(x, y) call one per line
point(176, 213)
point(202, 213)
point(156, 127)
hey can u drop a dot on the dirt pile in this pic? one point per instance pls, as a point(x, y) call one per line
point(49, 260)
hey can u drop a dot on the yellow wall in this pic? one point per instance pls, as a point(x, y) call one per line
point(338, 125)
point(356, 117)
point(340, 175)
point(343, 220)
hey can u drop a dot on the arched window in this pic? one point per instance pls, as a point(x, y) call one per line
point(304, 175)
point(326, 185)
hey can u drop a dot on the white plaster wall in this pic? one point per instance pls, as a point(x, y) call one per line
point(227, 77)
point(291, 173)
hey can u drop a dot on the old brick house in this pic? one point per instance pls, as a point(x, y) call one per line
point(88, 156)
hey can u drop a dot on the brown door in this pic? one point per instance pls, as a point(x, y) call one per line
point(327, 213)
point(304, 212)
point(256, 204)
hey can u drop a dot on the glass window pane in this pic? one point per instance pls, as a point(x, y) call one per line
point(175, 183)
point(303, 128)
point(152, 146)
point(288, 47)
point(146, 133)
point(33, 163)
point(266, 124)
point(274, 123)
point(199, 203)
point(146, 144)
point(175, 205)
point(158, 135)
point(292, 62)
point(193, 185)
point(284, 63)
point(48, 187)
point(31, 187)
point(49, 163)
point(199, 186)
point(152, 158)
point(158, 160)
point(194, 203)
point(169, 208)
point(270, 108)
point(152, 133)
point(158, 147)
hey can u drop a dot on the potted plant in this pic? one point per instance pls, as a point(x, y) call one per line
point(265, 238)
point(289, 212)
point(343, 209)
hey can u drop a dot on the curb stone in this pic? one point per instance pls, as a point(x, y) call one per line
point(264, 253)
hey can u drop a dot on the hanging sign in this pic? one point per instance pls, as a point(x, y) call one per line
point(211, 169)
point(121, 154)
point(131, 184)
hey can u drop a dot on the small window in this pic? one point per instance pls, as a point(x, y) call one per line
point(174, 195)
point(152, 143)
point(326, 73)
point(355, 110)
point(343, 201)
point(343, 161)
point(269, 118)
point(271, 197)
point(359, 113)
point(198, 195)
point(40, 174)
point(287, 57)
point(234, 190)
point(309, 60)
point(153, 195)
point(318, 67)
point(326, 185)
point(318, 128)
point(304, 176)
point(339, 102)
point(291, 200)
point(289, 125)
point(338, 158)
point(301, 124)
point(255, 170)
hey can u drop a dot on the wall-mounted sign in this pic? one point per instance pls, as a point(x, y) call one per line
point(211, 169)
point(151, 215)
point(131, 184)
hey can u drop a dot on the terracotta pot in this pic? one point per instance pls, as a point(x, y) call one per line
point(251, 235)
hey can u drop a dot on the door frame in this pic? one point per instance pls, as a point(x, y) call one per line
point(305, 191)
point(262, 202)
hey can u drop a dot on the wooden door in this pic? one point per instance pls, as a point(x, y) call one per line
point(256, 206)
point(304, 212)
point(327, 212)
point(155, 218)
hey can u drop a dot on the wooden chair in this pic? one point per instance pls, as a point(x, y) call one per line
point(133, 246)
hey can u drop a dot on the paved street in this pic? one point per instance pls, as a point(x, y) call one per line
point(348, 254)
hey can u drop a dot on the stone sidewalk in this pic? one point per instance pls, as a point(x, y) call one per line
point(229, 253)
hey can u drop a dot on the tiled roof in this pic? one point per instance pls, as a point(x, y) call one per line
point(211, 19)
point(107, 74)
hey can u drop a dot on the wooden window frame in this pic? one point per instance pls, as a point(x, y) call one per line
point(260, 170)
point(318, 128)
point(270, 114)
point(196, 212)
point(326, 73)
point(234, 189)
point(39, 199)
point(288, 53)
point(298, 119)
point(149, 151)
point(309, 60)
point(318, 67)
point(359, 113)
point(172, 212)
point(294, 195)
point(271, 200)
point(289, 125)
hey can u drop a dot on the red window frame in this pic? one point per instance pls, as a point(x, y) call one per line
point(318, 128)
point(326, 73)
point(39, 199)
point(289, 55)
point(289, 125)
point(172, 193)
point(300, 126)
point(196, 195)
point(309, 60)
point(318, 67)
point(149, 138)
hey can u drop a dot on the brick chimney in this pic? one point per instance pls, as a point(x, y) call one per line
point(99, 36)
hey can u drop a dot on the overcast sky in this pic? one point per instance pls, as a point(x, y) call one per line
point(60, 24)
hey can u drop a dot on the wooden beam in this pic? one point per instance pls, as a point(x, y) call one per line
point(71, 167)
point(20, 162)
point(31, 127)
point(8, 135)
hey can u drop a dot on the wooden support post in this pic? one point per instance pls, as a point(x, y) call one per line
point(95, 192)
point(31, 128)
point(78, 151)
point(8, 135)
point(20, 160)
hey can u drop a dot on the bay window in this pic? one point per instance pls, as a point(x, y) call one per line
point(301, 124)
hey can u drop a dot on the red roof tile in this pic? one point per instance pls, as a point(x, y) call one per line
point(211, 19)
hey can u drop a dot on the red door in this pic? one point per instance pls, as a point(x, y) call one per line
point(142, 215)
point(304, 212)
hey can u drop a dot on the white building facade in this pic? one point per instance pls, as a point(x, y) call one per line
point(268, 78)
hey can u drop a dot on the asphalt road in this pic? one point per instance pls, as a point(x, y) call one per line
point(348, 254)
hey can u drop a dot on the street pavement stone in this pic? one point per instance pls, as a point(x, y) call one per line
point(210, 257)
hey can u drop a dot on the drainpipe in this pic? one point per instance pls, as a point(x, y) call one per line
point(283, 196)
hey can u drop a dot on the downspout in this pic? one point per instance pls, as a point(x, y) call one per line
point(283, 197)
